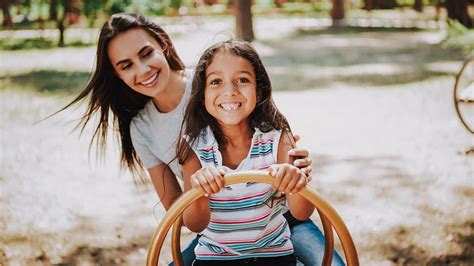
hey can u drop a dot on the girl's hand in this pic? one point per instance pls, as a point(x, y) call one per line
point(209, 179)
point(288, 178)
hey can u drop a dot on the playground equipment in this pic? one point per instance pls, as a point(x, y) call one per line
point(329, 218)
point(464, 94)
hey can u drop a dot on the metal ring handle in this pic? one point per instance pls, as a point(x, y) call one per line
point(328, 242)
point(308, 193)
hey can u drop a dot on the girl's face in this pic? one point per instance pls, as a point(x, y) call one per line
point(230, 94)
point(139, 61)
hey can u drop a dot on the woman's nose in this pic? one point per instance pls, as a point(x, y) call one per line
point(143, 68)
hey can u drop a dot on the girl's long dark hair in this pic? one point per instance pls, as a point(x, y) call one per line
point(107, 92)
point(265, 116)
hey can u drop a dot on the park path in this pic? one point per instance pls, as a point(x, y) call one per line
point(388, 156)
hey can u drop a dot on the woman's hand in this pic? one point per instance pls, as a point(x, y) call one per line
point(287, 178)
point(301, 158)
point(208, 179)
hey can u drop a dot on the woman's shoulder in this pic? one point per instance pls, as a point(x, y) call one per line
point(143, 119)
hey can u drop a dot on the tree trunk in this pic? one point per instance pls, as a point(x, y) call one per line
point(7, 19)
point(337, 13)
point(53, 10)
point(243, 15)
point(368, 5)
point(62, 23)
point(418, 6)
point(457, 9)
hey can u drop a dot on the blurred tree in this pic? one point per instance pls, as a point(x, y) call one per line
point(7, 19)
point(418, 5)
point(337, 13)
point(243, 15)
point(62, 22)
point(53, 10)
point(91, 9)
point(457, 10)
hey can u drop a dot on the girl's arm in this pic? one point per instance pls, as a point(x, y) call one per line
point(197, 216)
point(290, 179)
point(165, 183)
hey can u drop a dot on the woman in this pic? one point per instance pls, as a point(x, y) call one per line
point(141, 80)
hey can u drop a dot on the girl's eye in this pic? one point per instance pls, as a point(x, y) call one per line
point(215, 82)
point(243, 80)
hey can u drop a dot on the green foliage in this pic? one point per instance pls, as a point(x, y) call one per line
point(51, 81)
point(460, 37)
point(117, 6)
point(35, 43)
point(26, 44)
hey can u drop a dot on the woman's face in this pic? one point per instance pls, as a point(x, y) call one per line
point(139, 61)
point(231, 90)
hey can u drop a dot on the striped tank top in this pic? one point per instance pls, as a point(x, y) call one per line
point(246, 219)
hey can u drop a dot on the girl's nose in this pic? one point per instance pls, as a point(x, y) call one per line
point(230, 89)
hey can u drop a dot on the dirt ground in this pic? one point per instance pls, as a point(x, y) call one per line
point(374, 108)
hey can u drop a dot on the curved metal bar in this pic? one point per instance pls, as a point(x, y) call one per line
point(176, 242)
point(329, 240)
point(456, 89)
point(308, 193)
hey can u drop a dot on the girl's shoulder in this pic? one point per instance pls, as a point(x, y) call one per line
point(204, 141)
point(265, 137)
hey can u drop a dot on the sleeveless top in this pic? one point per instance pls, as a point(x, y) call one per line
point(246, 219)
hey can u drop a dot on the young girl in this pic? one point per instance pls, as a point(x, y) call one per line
point(232, 124)
point(140, 81)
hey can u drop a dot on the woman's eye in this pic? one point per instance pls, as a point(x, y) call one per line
point(147, 53)
point(127, 66)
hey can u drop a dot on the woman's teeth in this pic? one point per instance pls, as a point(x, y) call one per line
point(230, 106)
point(150, 80)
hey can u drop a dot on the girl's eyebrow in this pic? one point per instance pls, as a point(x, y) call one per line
point(126, 60)
point(220, 71)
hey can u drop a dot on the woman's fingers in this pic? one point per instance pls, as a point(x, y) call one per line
point(296, 137)
point(298, 152)
point(307, 170)
point(302, 162)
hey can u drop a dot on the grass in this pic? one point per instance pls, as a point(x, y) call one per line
point(460, 37)
point(46, 81)
point(14, 44)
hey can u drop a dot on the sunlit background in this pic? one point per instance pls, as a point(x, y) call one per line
point(368, 85)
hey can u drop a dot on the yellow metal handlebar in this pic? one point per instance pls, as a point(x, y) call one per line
point(325, 209)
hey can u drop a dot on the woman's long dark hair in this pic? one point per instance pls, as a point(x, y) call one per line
point(108, 92)
point(265, 116)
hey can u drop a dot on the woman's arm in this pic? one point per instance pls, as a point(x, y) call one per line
point(210, 180)
point(165, 183)
point(290, 179)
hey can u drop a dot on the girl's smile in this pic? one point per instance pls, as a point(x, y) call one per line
point(230, 94)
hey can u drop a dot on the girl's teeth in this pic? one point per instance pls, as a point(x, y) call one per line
point(230, 106)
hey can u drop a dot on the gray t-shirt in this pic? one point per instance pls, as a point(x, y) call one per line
point(155, 134)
